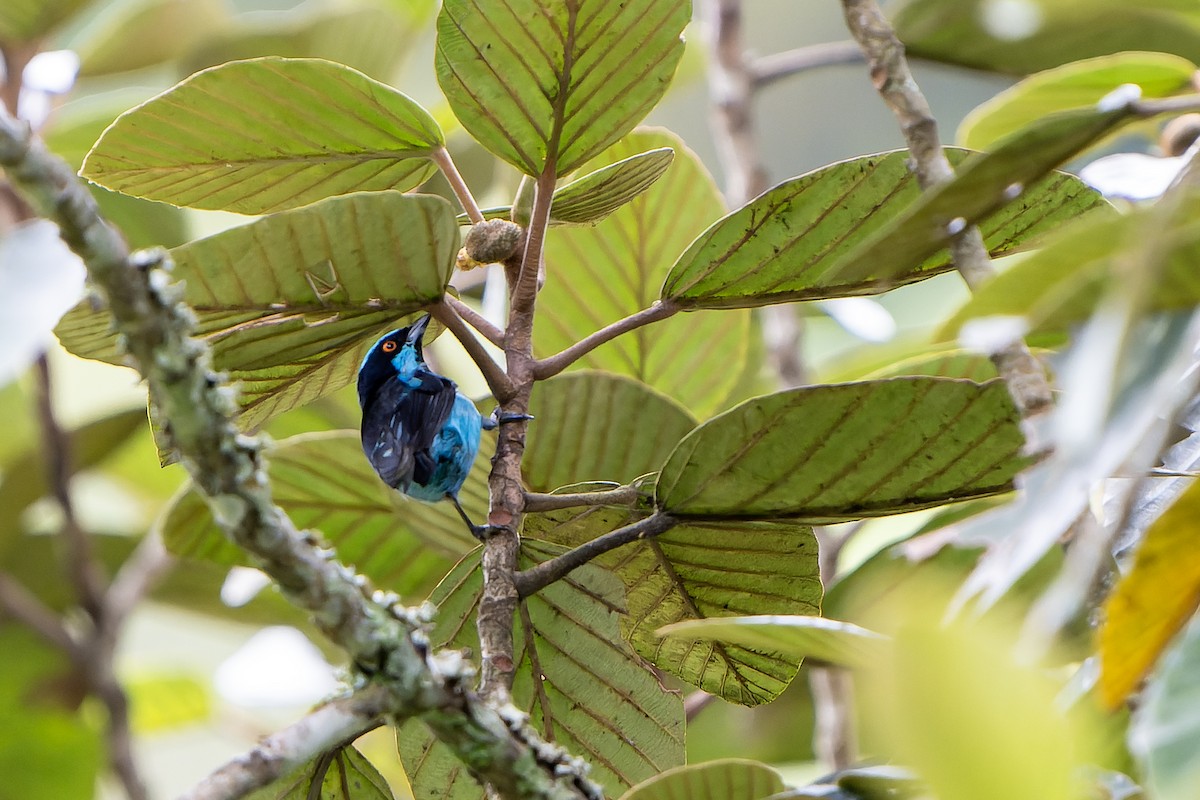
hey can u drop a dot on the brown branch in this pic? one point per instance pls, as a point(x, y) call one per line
point(83, 568)
point(552, 365)
point(441, 157)
point(496, 377)
point(535, 579)
point(23, 606)
point(891, 76)
point(285, 751)
point(476, 320)
point(777, 66)
point(620, 496)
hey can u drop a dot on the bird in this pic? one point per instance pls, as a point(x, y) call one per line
point(419, 432)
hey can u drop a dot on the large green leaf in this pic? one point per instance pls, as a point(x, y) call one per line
point(28, 20)
point(726, 779)
point(985, 183)
point(341, 774)
point(1082, 83)
point(1166, 730)
point(699, 571)
point(575, 677)
point(266, 134)
point(787, 244)
point(1039, 34)
point(324, 482)
point(290, 302)
point(141, 34)
point(1061, 284)
point(847, 451)
point(598, 275)
point(595, 426)
point(542, 83)
point(828, 641)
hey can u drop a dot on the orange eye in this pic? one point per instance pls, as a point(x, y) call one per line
point(389, 347)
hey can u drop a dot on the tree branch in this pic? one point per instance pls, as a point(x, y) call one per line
point(551, 366)
point(1024, 376)
point(476, 320)
point(496, 377)
point(441, 157)
point(620, 496)
point(285, 751)
point(23, 606)
point(777, 66)
point(535, 579)
point(227, 466)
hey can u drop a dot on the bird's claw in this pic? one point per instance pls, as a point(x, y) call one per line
point(499, 418)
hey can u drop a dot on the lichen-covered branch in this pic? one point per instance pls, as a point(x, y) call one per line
point(891, 76)
point(291, 748)
point(385, 641)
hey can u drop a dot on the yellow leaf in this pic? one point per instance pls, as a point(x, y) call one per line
point(1153, 601)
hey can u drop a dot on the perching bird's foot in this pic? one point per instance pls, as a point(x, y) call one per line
point(497, 419)
point(485, 532)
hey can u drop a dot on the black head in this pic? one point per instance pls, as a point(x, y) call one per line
point(398, 347)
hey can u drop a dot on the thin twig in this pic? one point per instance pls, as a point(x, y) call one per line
point(441, 157)
point(620, 496)
point(1166, 105)
point(496, 377)
point(289, 749)
point(777, 66)
point(534, 579)
point(696, 702)
point(552, 365)
point(23, 606)
point(476, 320)
point(139, 574)
point(890, 74)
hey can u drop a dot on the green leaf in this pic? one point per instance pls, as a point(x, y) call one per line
point(29, 20)
point(551, 84)
point(985, 183)
point(948, 363)
point(828, 641)
point(371, 38)
point(1082, 83)
point(134, 35)
point(599, 275)
point(291, 302)
point(341, 774)
point(1061, 284)
point(324, 482)
point(581, 686)
point(798, 240)
point(587, 200)
point(161, 701)
point(57, 753)
point(594, 196)
point(1165, 733)
point(724, 779)
point(596, 426)
point(266, 134)
point(1043, 33)
point(847, 451)
point(703, 570)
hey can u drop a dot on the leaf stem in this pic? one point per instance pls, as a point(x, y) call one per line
point(535, 579)
point(552, 365)
point(777, 66)
point(497, 379)
point(441, 157)
point(476, 320)
point(620, 496)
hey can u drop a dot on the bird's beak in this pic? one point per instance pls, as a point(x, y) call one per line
point(417, 330)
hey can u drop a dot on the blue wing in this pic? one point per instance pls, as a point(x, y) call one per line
point(442, 470)
point(401, 422)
